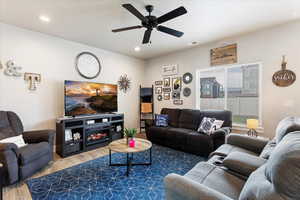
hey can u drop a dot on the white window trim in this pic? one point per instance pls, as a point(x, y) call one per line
point(226, 67)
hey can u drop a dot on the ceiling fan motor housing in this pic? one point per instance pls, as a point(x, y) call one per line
point(152, 22)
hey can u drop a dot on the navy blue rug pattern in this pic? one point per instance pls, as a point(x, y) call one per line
point(96, 180)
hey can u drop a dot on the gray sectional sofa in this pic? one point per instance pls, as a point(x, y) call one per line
point(245, 168)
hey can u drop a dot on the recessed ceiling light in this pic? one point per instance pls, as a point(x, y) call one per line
point(44, 18)
point(137, 49)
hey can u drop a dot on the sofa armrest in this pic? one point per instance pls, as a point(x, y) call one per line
point(244, 141)
point(9, 154)
point(39, 136)
point(243, 163)
point(219, 136)
point(179, 187)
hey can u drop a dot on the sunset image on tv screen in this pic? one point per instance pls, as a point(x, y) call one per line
point(85, 98)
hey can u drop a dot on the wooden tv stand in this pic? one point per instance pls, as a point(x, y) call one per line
point(92, 132)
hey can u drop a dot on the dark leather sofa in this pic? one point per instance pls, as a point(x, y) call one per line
point(181, 134)
point(20, 163)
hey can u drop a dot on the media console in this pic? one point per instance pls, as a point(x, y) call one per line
point(79, 134)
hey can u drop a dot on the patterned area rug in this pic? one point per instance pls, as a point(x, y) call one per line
point(95, 179)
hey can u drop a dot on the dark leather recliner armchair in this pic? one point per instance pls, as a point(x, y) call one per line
point(20, 163)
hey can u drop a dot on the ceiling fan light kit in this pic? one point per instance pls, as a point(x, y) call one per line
point(151, 22)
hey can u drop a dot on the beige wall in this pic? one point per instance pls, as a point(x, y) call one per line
point(265, 46)
point(54, 59)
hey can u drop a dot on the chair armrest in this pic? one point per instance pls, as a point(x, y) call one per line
point(179, 187)
point(9, 154)
point(244, 141)
point(243, 163)
point(221, 132)
point(39, 136)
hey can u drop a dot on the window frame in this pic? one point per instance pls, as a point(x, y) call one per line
point(226, 68)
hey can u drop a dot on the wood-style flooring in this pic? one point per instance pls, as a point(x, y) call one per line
point(20, 190)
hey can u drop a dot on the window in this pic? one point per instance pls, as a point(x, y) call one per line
point(235, 88)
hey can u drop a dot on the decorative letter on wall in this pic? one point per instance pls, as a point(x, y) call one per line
point(33, 80)
point(284, 77)
point(12, 70)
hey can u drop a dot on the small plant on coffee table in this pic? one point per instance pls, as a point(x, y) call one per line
point(130, 133)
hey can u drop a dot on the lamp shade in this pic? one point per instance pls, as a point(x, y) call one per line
point(252, 123)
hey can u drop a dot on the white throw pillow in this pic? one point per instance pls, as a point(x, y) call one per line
point(217, 124)
point(18, 140)
point(206, 126)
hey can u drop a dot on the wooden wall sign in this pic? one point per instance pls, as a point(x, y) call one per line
point(284, 77)
point(223, 55)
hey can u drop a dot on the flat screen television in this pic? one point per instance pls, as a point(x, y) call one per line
point(87, 98)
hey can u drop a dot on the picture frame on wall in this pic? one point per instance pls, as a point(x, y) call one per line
point(167, 96)
point(158, 90)
point(176, 84)
point(176, 95)
point(177, 102)
point(167, 90)
point(158, 82)
point(169, 70)
point(167, 82)
point(223, 55)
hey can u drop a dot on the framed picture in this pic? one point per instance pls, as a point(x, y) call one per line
point(177, 102)
point(223, 55)
point(176, 95)
point(167, 82)
point(169, 70)
point(176, 84)
point(159, 97)
point(167, 96)
point(158, 82)
point(166, 89)
point(158, 90)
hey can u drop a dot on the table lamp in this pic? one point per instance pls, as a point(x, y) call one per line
point(252, 125)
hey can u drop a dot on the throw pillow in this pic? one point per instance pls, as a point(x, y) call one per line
point(161, 120)
point(207, 125)
point(18, 140)
point(217, 124)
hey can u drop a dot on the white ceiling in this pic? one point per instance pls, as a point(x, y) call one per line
point(90, 21)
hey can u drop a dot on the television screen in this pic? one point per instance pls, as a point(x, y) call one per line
point(86, 98)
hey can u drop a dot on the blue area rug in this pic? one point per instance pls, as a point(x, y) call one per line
point(95, 179)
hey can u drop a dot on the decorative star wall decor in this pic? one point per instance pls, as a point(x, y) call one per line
point(124, 83)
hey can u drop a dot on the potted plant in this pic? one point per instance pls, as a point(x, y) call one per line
point(130, 133)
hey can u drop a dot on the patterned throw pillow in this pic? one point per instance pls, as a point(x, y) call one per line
point(207, 125)
point(161, 120)
point(217, 124)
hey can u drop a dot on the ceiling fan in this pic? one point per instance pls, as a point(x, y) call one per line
point(150, 22)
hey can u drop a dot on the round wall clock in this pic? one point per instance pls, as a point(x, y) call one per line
point(88, 65)
point(186, 92)
point(187, 78)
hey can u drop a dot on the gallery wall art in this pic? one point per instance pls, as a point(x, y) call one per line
point(223, 55)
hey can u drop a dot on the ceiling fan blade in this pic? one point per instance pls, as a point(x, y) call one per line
point(170, 31)
point(171, 15)
point(147, 36)
point(135, 12)
point(126, 29)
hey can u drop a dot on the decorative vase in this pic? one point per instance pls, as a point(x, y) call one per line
point(132, 143)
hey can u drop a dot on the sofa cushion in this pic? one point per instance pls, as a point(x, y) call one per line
point(266, 152)
point(243, 163)
point(173, 115)
point(223, 115)
point(32, 152)
point(226, 149)
point(177, 137)
point(283, 166)
point(217, 179)
point(189, 119)
point(285, 126)
point(199, 143)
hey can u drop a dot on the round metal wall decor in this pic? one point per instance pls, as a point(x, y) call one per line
point(284, 77)
point(187, 92)
point(124, 83)
point(159, 97)
point(88, 65)
point(187, 78)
